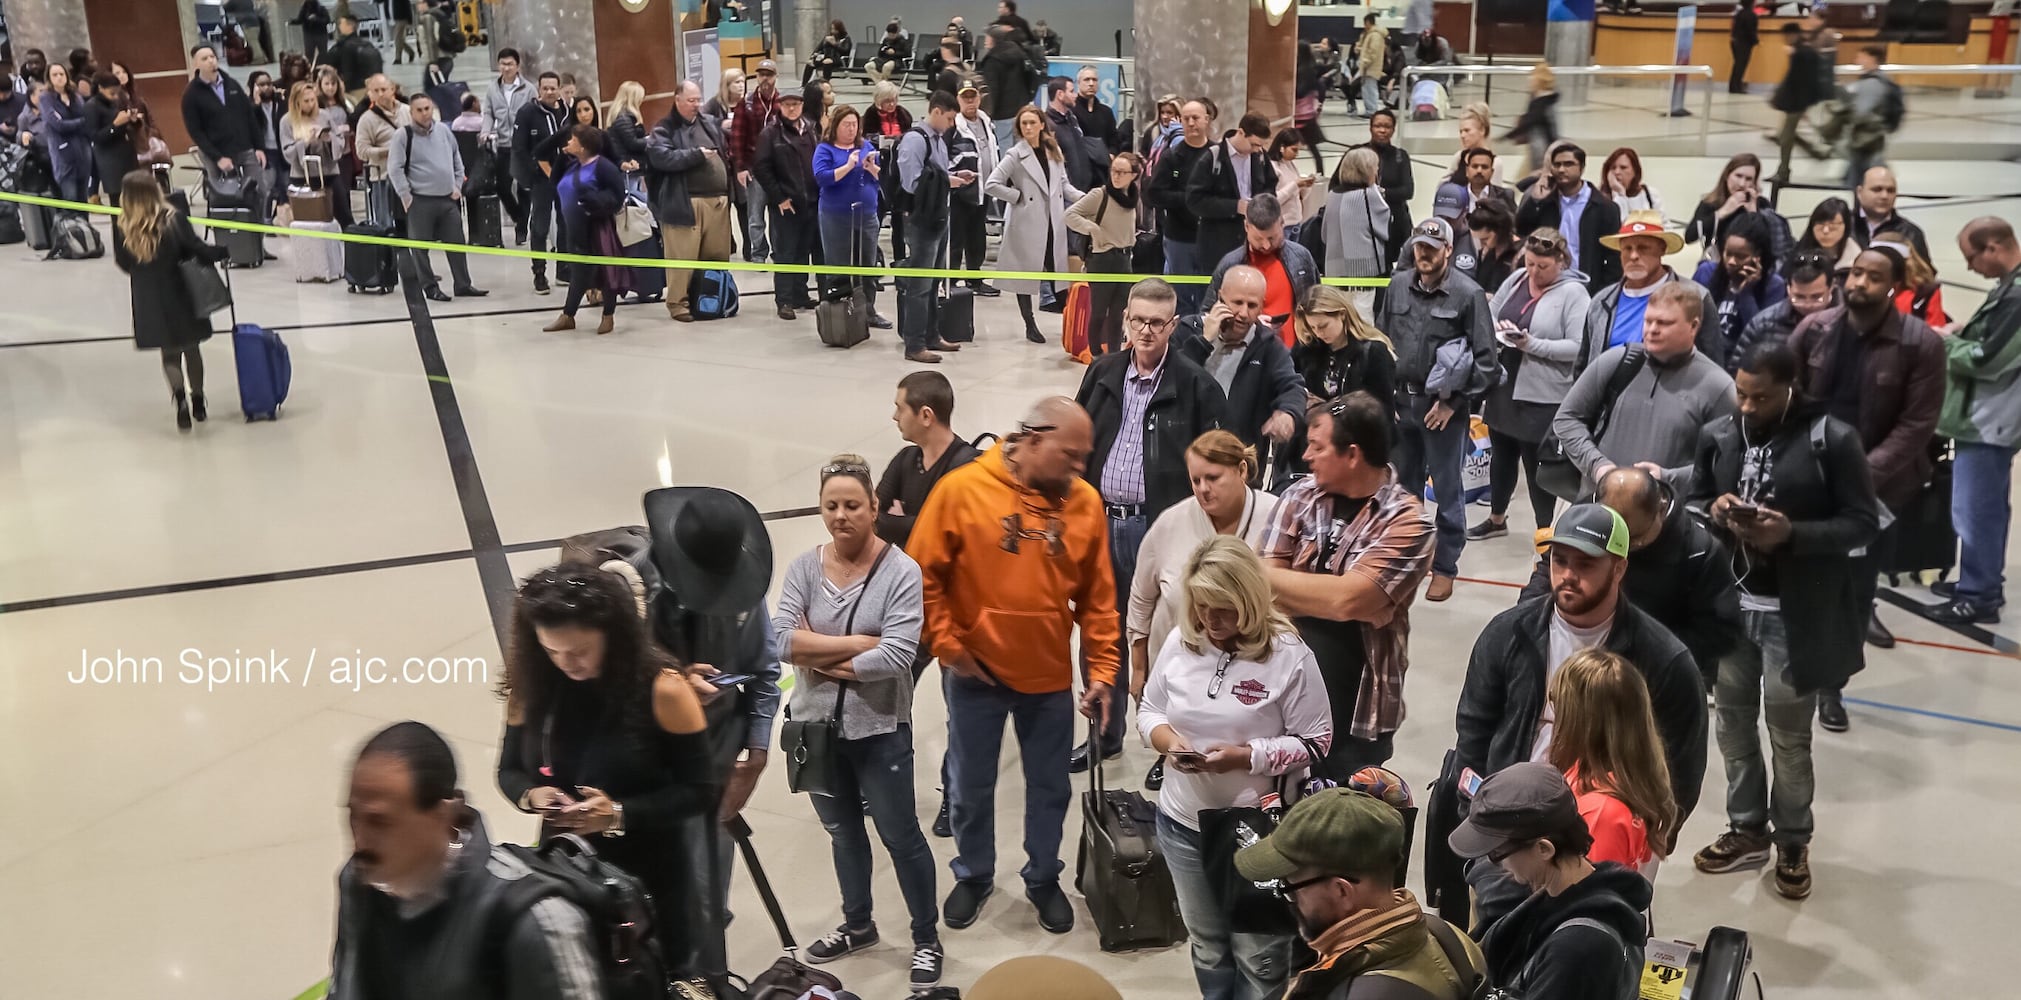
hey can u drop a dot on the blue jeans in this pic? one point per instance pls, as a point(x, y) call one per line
point(1441, 454)
point(755, 205)
point(1126, 536)
point(919, 298)
point(1228, 965)
point(1045, 726)
point(1184, 258)
point(1371, 96)
point(878, 770)
point(1980, 477)
point(1755, 682)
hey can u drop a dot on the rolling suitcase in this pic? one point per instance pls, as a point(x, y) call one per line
point(35, 226)
point(1079, 311)
point(263, 367)
point(1925, 538)
point(1121, 872)
point(367, 267)
point(487, 223)
point(957, 315)
point(247, 249)
point(317, 259)
point(843, 322)
point(649, 284)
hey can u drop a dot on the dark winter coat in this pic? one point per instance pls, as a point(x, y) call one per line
point(1266, 384)
point(1502, 699)
point(1187, 403)
point(1901, 393)
point(1212, 196)
point(1823, 486)
point(112, 145)
point(163, 315)
point(1530, 952)
point(1601, 218)
point(220, 130)
point(66, 130)
point(784, 165)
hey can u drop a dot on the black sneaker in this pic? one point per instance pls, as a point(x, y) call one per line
point(964, 904)
point(1735, 849)
point(926, 962)
point(1792, 870)
point(1964, 613)
point(1489, 528)
point(839, 942)
point(1056, 913)
point(985, 290)
point(1945, 589)
point(1831, 712)
point(943, 823)
point(540, 286)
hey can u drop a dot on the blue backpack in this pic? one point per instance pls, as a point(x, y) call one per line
point(713, 295)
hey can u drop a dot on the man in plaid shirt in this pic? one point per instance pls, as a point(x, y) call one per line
point(1346, 551)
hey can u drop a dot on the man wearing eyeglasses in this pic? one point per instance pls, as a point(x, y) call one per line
point(1345, 552)
point(1013, 554)
point(1810, 291)
point(1882, 373)
point(1147, 403)
point(1334, 861)
point(1573, 206)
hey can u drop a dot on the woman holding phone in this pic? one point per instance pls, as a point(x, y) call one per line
point(1235, 702)
point(848, 621)
point(1540, 322)
point(1738, 190)
point(604, 736)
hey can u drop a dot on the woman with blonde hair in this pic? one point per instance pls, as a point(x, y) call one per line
point(1339, 351)
point(315, 129)
point(149, 242)
point(624, 136)
point(1237, 702)
point(729, 97)
point(1539, 124)
point(1031, 181)
point(1921, 295)
point(1477, 124)
point(1357, 222)
point(1602, 734)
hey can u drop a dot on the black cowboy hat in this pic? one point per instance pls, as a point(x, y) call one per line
point(711, 548)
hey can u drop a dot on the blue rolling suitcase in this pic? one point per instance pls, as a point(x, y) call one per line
point(648, 283)
point(264, 371)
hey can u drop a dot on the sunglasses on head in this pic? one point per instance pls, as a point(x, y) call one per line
point(1543, 245)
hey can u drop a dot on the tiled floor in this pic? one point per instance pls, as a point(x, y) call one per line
point(193, 832)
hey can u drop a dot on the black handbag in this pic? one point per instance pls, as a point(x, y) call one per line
point(813, 754)
point(207, 291)
point(1556, 472)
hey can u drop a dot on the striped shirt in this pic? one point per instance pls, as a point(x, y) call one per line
point(1123, 473)
point(1390, 544)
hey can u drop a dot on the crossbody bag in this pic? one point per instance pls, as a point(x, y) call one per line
point(812, 746)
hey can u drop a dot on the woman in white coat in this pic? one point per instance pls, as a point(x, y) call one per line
point(1031, 181)
point(1223, 503)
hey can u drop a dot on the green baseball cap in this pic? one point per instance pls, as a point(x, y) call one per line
point(1335, 832)
point(1593, 529)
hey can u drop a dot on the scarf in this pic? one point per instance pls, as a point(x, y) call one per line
point(1342, 939)
point(1124, 197)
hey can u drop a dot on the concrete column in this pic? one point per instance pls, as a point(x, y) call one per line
point(1568, 41)
point(1193, 48)
point(810, 23)
point(54, 26)
point(558, 35)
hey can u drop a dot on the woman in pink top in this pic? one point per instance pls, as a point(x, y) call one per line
point(1604, 738)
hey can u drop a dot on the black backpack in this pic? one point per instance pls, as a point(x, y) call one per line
point(449, 37)
point(619, 911)
point(932, 187)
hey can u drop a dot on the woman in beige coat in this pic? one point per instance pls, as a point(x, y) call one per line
point(1108, 217)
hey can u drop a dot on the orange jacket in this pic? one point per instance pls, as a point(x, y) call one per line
point(1013, 610)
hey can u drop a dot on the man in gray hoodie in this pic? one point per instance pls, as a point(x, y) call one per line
point(427, 173)
point(1652, 419)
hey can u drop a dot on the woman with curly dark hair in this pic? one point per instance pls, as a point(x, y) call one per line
point(604, 737)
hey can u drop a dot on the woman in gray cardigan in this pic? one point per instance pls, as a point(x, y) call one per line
point(1540, 320)
point(1357, 224)
point(848, 621)
point(1031, 181)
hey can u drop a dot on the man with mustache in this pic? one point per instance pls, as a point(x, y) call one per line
point(423, 872)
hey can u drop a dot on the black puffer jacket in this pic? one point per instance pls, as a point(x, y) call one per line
point(1503, 696)
point(1532, 953)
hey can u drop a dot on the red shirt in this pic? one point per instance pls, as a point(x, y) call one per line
point(1617, 834)
point(1277, 299)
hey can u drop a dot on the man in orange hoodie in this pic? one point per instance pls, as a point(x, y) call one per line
point(1013, 550)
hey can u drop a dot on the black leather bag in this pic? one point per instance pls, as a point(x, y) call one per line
point(1121, 872)
point(1250, 910)
point(812, 746)
point(207, 291)
point(788, 978)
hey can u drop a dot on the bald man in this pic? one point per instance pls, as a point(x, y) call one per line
point(1982, 414)
point(1875, 211)
point(1239, 345)
point(1013, 552)
point(1678, 572)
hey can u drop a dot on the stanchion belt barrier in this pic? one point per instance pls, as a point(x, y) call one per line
point(1063, 277)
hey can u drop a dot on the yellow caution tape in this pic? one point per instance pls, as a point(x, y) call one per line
point(691, 265)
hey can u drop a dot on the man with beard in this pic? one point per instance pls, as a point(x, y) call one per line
point(1882, 373)
point(1788, 483)
point(1504, 717)
point(1614, 316)
point(423, 872)
point(1573, 206)
point(1013, 550)
point(1334, 858)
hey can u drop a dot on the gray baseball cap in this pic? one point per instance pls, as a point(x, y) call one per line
point(1593, 529)
point(1519, 803)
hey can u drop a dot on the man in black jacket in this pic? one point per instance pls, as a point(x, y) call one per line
point(1802, 87)
point(355, 59)
point(1874, 211)
point(1147, 404)
point(1810, 291)
point(1171, 173)
point(1007, 79)
point(1222, 183)
point(1096, 120)
point(224, 125)
point(1503, 716)
point(423, 873)
point(1581, 212)
point(538, 134)
point(1247, 359)
point(1087, 156)
point(1678, 571)
point(1790, 484)
point(784, 167)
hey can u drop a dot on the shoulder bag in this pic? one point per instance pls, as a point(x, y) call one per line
point(812, 754)
point(1555, 472)
point(207, 290)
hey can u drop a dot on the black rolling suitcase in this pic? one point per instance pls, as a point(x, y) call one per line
point(957, 315)
point(1925, 539)
point(247, 249)
point(487, 224)
point(37, 225)
point(369, 267)
point(1119, 870)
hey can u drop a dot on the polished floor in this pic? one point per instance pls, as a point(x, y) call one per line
point(179, 840)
